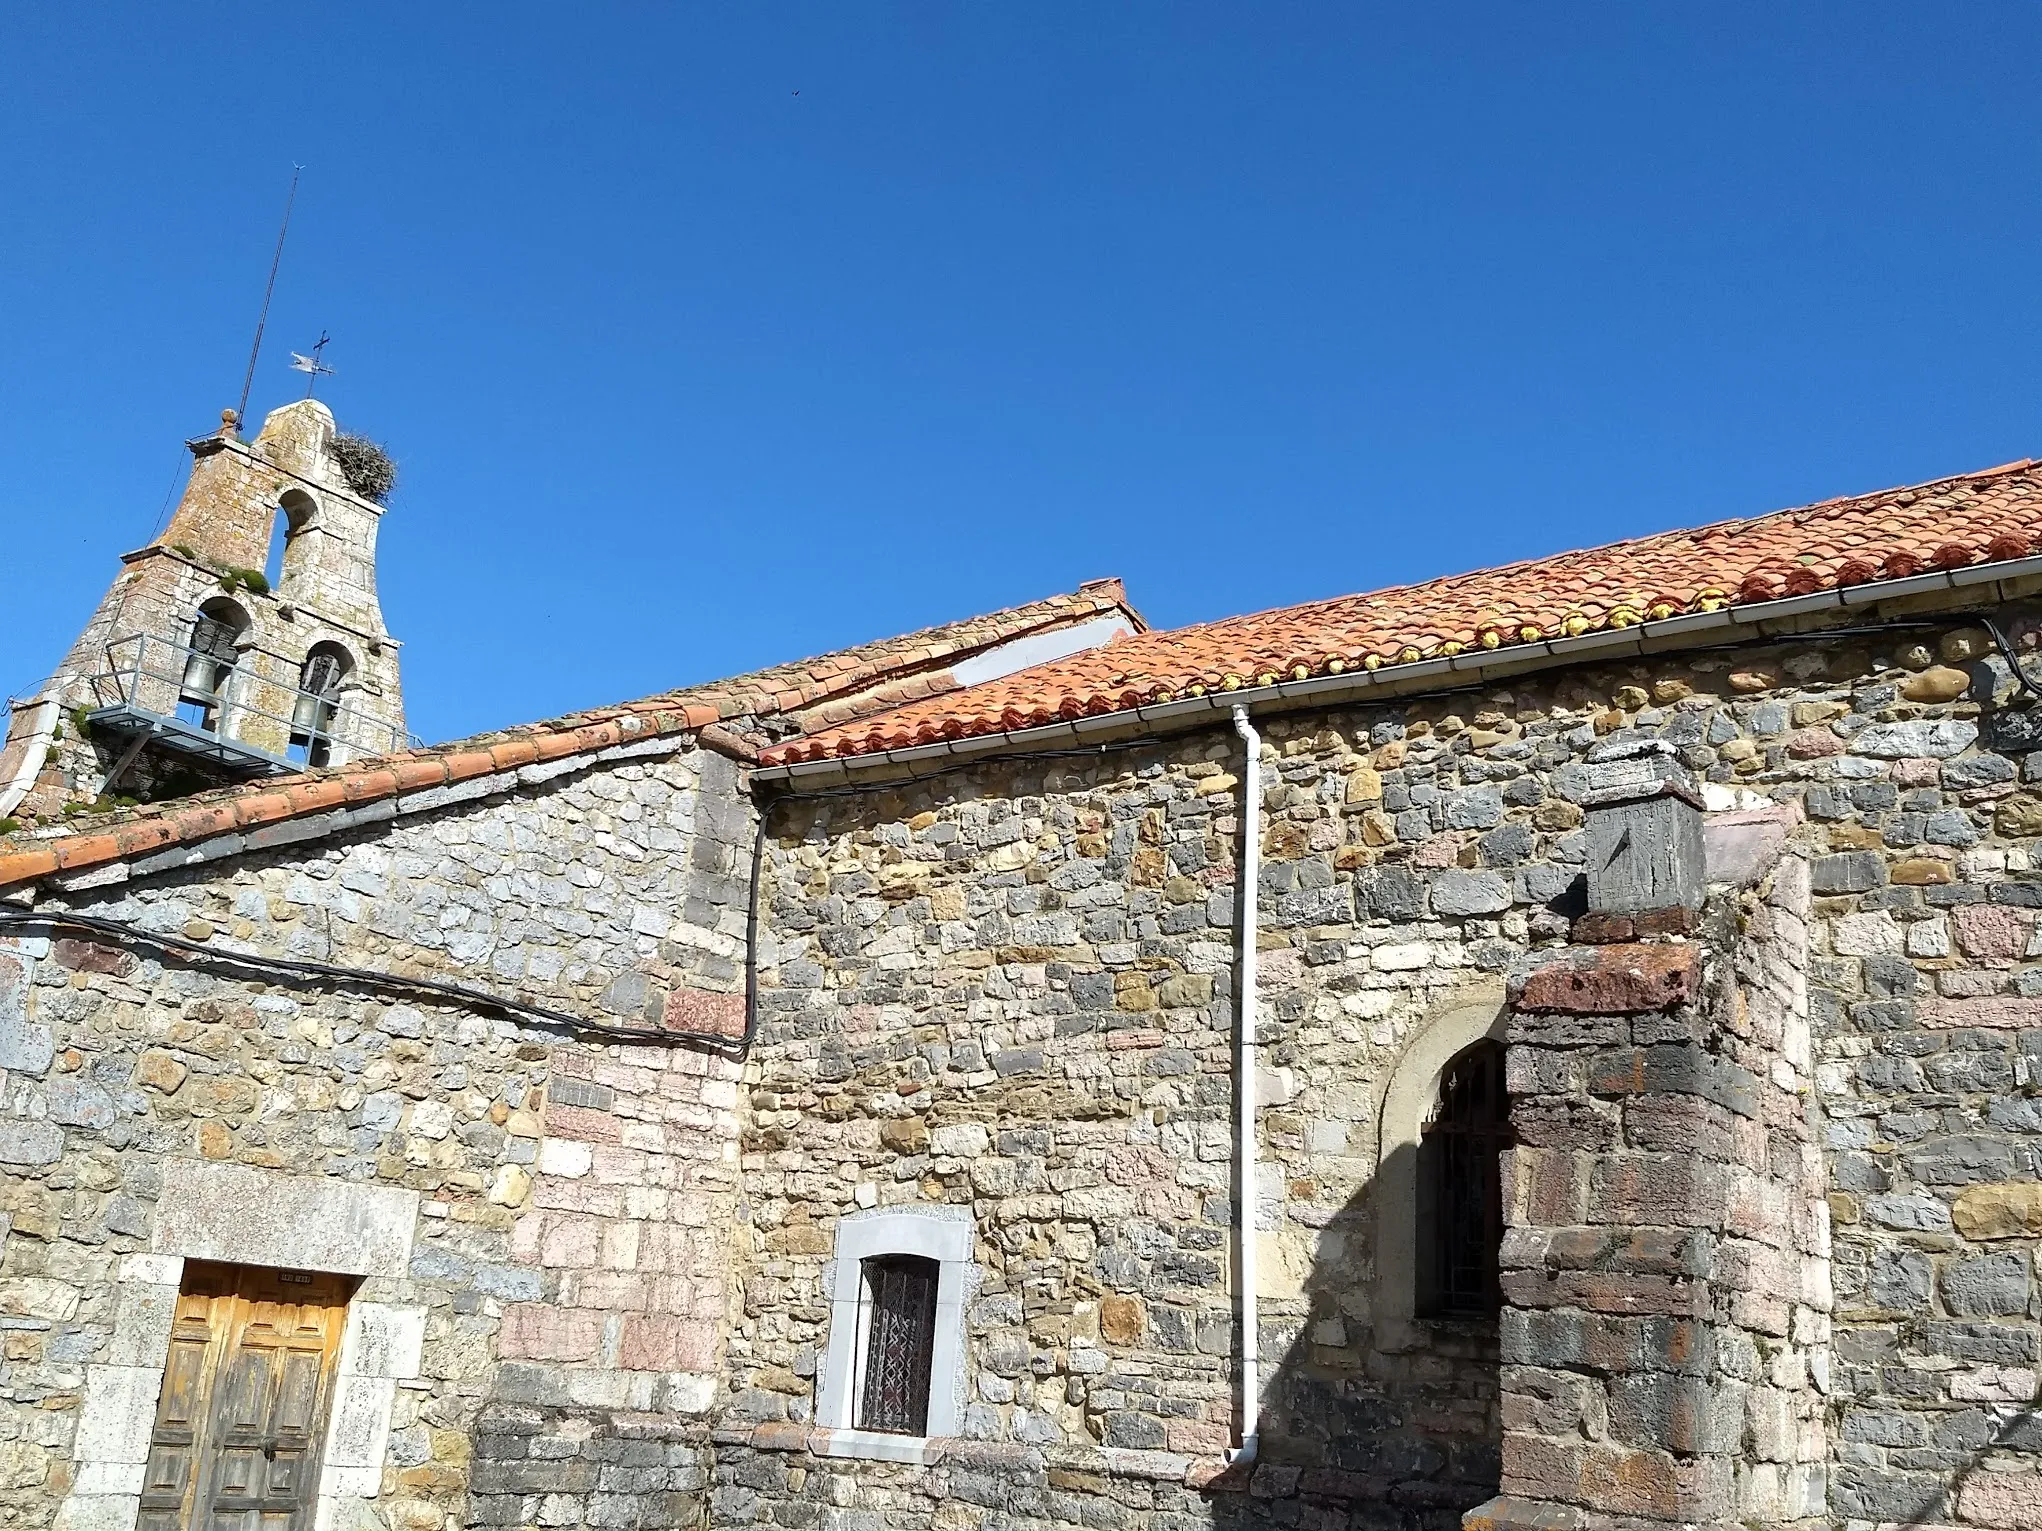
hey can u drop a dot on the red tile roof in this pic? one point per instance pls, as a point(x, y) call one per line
point(826, 689)
point(1975, 517)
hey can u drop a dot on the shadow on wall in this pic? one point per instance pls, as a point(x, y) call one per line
point(1976, 1494)
point(1367, 1422)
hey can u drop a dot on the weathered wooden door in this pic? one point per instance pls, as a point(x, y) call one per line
point(243, 1406)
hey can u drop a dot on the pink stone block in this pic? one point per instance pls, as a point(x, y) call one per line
point(579, 1196)
point(1140, 1165)
point(1439, 851)
point(525, 1236)
point(1813, 743)
point(581, 1123)
point(2012, 1500)
point(612, 1291)
point(570, 1242)
point(2000, 1012)
point(656, 1343)
point(698, 1010)
point(1993, 930)
point(619, 1166)
point(537, 1331)
point(1917, 773)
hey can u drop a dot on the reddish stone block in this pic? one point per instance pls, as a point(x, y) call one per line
point(1595, 929)
point(1615, 980)
point(658, 1343)
point(538, 1331)
point(1677, 921)
point(704, 1013)
point(1993, 930)
point(2001, 1499)
point(91, 957)
point(582, 1124)
point(1997, 1012)
point(1545, 1187)
point(1561, 1123)
point(1679, 1124)
point(1664, 1190)
point(570, 1242)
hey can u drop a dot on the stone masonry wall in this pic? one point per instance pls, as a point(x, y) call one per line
point(1008, 988)
point(566, 1254)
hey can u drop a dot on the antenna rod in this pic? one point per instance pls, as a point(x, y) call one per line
point(248, 382)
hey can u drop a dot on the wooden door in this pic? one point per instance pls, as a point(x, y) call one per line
point(243, 1406)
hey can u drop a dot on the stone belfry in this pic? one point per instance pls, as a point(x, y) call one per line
point(244, 641)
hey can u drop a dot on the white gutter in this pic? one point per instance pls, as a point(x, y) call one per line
point(1396, 680)
point(1247, 878)
point(39, 727)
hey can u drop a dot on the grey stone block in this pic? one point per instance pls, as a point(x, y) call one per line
point(30, 1143)
point(1465, 893)
point(1993, 1286)
point(1851, 872)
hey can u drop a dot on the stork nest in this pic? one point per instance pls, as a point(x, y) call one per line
point(370, 471)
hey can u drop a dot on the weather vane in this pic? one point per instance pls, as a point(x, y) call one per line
point(312, 364)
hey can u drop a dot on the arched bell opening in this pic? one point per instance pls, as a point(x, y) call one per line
point(212, 653)
point(316, 711)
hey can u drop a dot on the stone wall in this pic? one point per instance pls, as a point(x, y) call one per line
point(559, 1228)
point(1008, 988)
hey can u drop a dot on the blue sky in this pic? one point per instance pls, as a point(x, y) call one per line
point(711, 337)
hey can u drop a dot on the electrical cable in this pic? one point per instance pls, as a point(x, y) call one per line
point(389, 983)
point(2006, 652)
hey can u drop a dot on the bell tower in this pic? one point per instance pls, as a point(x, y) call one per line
point(244, 641)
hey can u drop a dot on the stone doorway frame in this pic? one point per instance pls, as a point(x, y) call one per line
point(245, 1216)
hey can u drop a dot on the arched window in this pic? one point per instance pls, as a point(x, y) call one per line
point(211, 653)
point(312, 715)
point(295, 509)
point(1460, 1187)
point(898, 1324)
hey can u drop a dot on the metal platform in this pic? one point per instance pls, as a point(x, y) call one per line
point(146, 683)
point(124, 720)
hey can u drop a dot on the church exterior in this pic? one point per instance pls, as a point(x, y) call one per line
point(822, 1098)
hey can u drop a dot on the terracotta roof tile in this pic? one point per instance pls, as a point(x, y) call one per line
point(851, 683)
point(1975, 517)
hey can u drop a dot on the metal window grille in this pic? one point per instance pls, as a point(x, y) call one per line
point(900, 1343)
point(1464, 1144)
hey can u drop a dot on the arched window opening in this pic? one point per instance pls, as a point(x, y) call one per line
point(1460, 1188)
point(899, 1342)
point(295, 509)
point(211, 654)
point(312, 715)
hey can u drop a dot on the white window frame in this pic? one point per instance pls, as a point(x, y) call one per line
point(1472, 1015)
point(942, 1234)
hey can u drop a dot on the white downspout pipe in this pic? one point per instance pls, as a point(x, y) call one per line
point(38, 726)
point(1246, 1089)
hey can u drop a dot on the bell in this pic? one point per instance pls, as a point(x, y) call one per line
point(310, 714)
point(201, 678)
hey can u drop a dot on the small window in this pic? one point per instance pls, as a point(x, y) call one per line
point(1460, 1188)
point(900, 1343)
point(893, 1371)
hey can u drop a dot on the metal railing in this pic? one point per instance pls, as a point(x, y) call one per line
point(182, 693)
